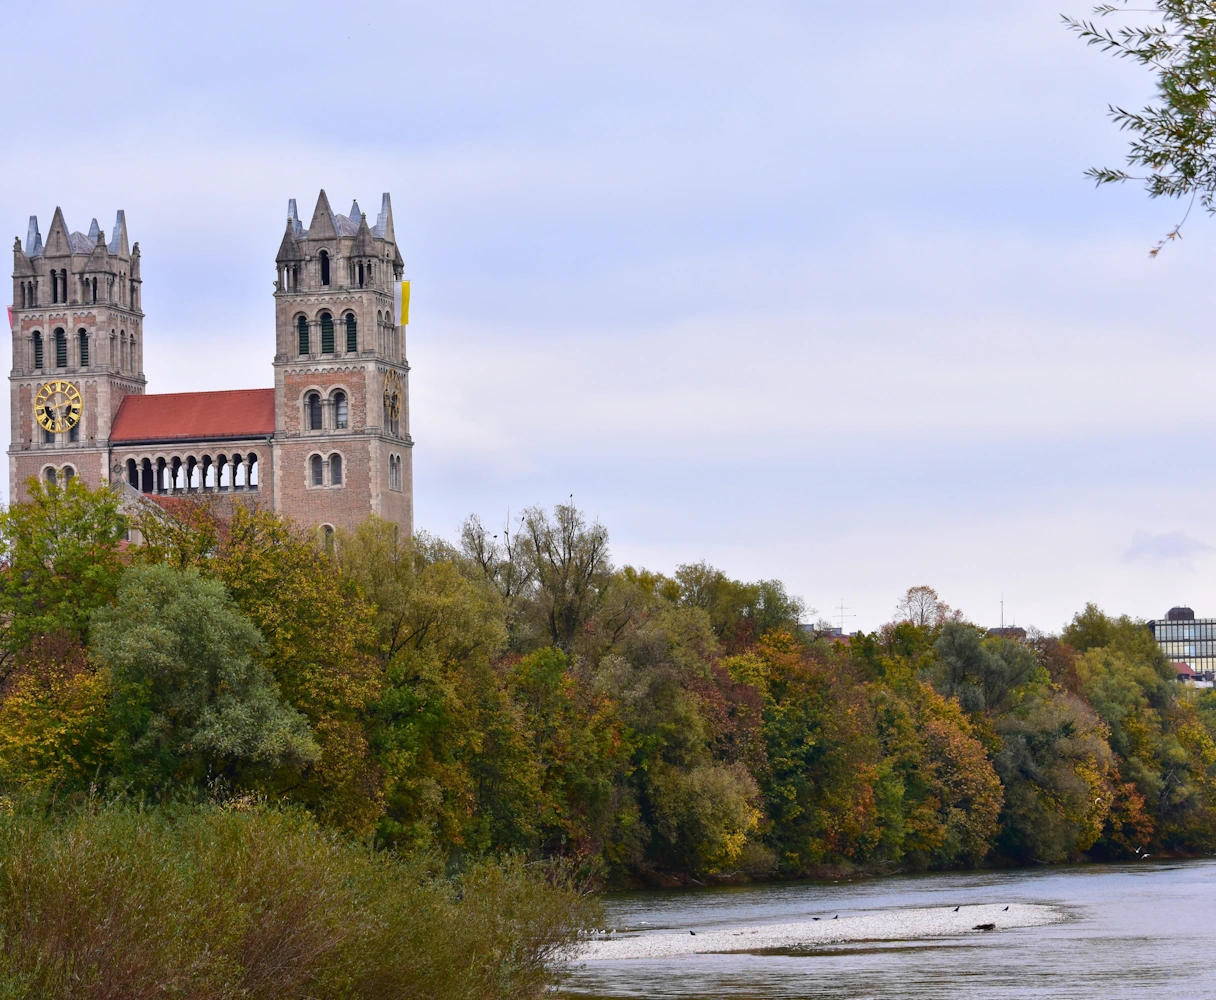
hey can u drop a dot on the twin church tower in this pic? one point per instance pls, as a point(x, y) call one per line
point(328, 445)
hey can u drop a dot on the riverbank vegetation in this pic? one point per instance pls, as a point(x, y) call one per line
point(518, 695)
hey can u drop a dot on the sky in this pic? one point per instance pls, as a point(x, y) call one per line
point(811, 291)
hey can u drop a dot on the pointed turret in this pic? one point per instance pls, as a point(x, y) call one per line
point(354, 211)
point(365, 243)
point(322, 226)
point(384, 221)
point(289, 249)
point(94, 231)
point(57, 242)
point(293, 216)
point(118, 243)
point(33, 239)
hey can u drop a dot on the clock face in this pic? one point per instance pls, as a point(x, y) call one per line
point(57, 406)
point(392, 395)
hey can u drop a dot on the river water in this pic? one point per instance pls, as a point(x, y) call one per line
point(1104, 931)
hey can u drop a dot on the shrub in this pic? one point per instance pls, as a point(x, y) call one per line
point(116, 903)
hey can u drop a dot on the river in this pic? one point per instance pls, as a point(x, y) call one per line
point(1103, 931)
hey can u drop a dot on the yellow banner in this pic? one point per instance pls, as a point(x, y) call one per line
point(401, 302)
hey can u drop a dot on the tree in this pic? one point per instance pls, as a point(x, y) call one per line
point(569, 561)
point(1174, 138)
point(320, 645)
point(920, 606)
point(1055, 765)
point(54, 717)
point(61, 560)
point(189, 699)
point(740, 613)
point(985, 675)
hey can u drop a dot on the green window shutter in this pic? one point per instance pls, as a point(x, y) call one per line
point(37, 349)
point(61, 349)
point(352, 334)
point(84, 349)
point(302, 327)
point(327, 334)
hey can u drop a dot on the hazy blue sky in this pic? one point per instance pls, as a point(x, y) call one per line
point(812, 291)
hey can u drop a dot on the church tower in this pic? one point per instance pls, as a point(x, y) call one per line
point(77, 330)
point(342, 444)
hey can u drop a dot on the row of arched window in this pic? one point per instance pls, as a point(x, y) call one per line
point(63, 476)
point(127, 357)
point(359, 273)
point(190, 474)
point(325, 471)
point(315, 411)
point(325, 321)
point(88, 289)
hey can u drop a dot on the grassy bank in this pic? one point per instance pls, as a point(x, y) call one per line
point(117, 903)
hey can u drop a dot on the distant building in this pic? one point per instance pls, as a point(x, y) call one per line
point(1014, 632)
point(1188, 642)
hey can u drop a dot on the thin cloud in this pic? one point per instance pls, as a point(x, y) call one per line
point(1172, 547)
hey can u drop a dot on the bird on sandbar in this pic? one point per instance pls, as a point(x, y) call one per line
point(693, 933)
point(956, 908)
point(1006, 908)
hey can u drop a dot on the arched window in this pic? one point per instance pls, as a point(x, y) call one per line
point(352, 334)
point(325, 267)
point(94, 290)
point(132, 474)
point(68, 473)
point(49, 475)
point(54, 300)
point(327, 333)
point(317, 468)
point(302, 332)
point(74, 432)
point(84, 347)
point(253, 470)
point(341, 410)
point(63, 285)
point(148, 485)
point(61, 348)
point(37, 349)
point(335, 470)
point(122, 341)
point(314, 411)
point(23, 295)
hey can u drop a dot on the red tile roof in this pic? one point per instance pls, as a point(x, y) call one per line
point(195, 416)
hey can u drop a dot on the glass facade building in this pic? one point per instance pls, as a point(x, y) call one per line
point(1187, 639)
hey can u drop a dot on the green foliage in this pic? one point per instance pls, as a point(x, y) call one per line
point(252, 902)
point(1053, 763)
point(60, 552)
point(189, 700)
point(1174, 138)
point(986, 675)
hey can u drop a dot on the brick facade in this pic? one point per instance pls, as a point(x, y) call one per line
point(321, 447)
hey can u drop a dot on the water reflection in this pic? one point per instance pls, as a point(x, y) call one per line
point(1130, 931)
